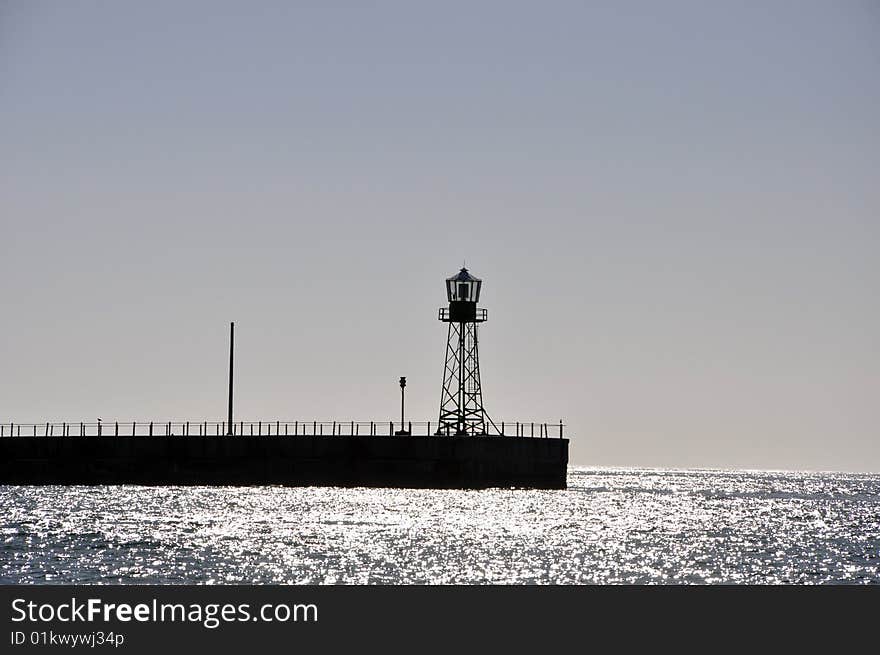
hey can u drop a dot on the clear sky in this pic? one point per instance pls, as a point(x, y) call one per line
point(674, 206)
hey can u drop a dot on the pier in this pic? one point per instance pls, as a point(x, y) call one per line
point(464, 448)
point(295, 453)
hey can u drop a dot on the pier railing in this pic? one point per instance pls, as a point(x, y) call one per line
point(533, 429)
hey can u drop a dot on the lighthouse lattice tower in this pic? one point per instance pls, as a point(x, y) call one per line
point(461, 401)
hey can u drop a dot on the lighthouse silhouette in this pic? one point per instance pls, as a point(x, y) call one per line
point(461, 400)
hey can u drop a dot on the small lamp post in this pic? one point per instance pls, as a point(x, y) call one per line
point(402, 431)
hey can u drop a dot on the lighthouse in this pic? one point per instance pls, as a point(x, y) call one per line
point(461, 400)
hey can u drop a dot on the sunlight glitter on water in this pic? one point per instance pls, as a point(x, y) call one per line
point(609, 526)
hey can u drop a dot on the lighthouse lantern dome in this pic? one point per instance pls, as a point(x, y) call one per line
point(463, 287)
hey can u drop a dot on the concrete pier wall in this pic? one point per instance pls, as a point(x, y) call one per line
point(371, 461)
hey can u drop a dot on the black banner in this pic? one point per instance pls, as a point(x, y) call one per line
point(406, 619)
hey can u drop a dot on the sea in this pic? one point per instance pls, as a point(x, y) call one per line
point(611, 526)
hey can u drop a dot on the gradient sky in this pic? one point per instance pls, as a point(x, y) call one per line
point(675, 209)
